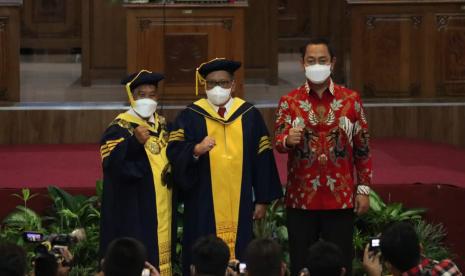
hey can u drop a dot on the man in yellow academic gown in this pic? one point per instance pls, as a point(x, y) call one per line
point(136, 202)
point(223, 163)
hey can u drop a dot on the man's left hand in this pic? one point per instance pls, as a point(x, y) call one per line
point(260, 211)
point(362, 204)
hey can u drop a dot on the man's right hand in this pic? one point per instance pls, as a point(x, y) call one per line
point(142, 134)
point(371, 262)
point(205, 146)
point(294, 137)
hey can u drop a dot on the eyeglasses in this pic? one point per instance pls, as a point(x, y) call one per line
point(222, 83)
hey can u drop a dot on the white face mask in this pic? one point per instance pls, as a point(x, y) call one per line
point(145, 107)
point(218, 95)
point(318, 73)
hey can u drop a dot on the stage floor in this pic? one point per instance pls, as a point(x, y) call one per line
point(395, 161)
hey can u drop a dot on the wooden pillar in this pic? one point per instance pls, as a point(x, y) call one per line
point(9, 50)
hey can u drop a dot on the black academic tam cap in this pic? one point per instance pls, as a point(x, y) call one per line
point(142, 77)
point(218, 64)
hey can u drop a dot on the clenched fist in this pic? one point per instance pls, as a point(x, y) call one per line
point(294, 137)
point(205, 146)
point(142, 134)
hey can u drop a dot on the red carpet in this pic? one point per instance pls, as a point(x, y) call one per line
point(396, 161)
point(37, 166)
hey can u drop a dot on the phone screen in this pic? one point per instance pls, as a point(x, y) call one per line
point(33, 236)
point(146, 272)
point(242, 268)
point(374, 243)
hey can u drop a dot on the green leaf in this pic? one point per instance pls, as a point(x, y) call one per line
point(33, 195)
point(99, 188)
point(26, 192)
point(376, 203)
point(282, 233)
point(413, 212)
point(24, 218)
point(58, 194)
point(18, 196)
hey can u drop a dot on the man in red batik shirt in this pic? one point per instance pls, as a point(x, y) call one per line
point(323, 129)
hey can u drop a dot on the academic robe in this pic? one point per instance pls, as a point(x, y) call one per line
point(135, 201)
point(219, 188)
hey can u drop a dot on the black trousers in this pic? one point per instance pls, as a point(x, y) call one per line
point(305, 227)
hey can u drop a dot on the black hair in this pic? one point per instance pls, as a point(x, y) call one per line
point(210, 256)
point(45, 265)
point(315, 41)
point(400, 246)
point(124, 257)
point(325, 259)
point(263, 258)
point(12, 260)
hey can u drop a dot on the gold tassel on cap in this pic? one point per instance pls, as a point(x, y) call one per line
point(128, 86)
point(199, 78)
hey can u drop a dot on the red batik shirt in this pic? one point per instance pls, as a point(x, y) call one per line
point(429, 267)
point(335, 141)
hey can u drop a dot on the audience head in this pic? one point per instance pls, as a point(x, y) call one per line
point(124, 257)
point(210, 256)
point(12, 260)
point(264, 258)
point(45, 265)
point(325, 259)
point(400, 247)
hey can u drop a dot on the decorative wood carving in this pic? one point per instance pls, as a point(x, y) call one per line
point(441, 21)
point(51, 24)
point(168, 39)
point(390, 64)
point(49, 11)
point(451, 55)
point(407, 48)
point(183, 53)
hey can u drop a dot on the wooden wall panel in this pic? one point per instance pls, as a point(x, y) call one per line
point(185, 36)
point(261, 41)
point(298, 20)
point(293, 23)
point(443, 124)
point(4, 47)
point(437, 123)
point(391, 58)
point(51, 24)
point(450, 53)
point(9, 52)
point(103, 40)
point(407, 49)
